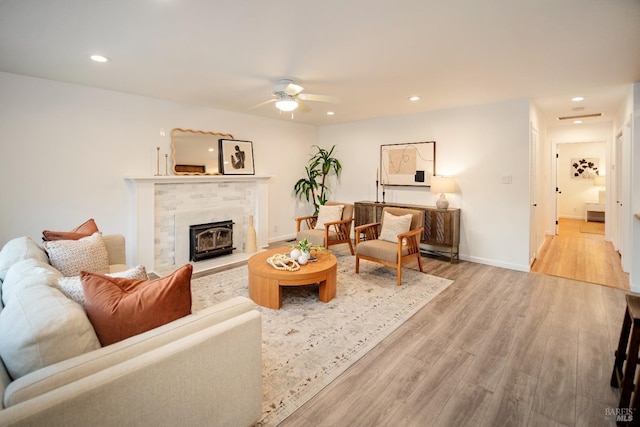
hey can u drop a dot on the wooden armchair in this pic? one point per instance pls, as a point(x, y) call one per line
point(334, 232)
point(392, 254)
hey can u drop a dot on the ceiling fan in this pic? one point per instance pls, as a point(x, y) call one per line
point(288, 96)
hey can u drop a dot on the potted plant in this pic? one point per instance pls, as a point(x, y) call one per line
point(313, 188)
point(301, 251)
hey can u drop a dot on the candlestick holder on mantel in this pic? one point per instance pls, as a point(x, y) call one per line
point(157, 161)
point(377, 191)
point(383, 192)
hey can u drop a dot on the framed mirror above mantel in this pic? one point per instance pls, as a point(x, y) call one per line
point(196, 152)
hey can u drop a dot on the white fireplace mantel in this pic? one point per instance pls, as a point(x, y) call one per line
point(144, 211)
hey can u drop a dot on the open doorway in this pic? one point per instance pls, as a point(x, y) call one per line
point(578, 250)
point(580, 169)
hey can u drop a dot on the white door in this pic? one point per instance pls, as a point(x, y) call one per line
point(558, 192)
point(533, 195)
point(617, 195)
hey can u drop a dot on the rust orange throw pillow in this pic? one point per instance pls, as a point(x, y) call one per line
point(120, 308)
point(83, 230)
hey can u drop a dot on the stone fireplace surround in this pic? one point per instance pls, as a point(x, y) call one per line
point(164, 205)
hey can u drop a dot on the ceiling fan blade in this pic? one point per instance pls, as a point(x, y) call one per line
point(318, 98)
point(288, 87)
point(302, 107)
point(263, 103)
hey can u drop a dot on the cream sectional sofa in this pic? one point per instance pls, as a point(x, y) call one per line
point(201, 370)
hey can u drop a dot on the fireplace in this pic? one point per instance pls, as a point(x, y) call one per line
point(210, 240)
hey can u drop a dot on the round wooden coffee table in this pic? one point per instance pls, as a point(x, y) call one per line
point(265, 282)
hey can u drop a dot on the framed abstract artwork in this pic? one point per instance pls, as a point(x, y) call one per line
point(410, 164)
point(585, 167)
point(236, 157)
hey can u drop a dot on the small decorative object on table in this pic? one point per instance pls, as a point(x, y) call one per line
point(301, 251)
point(283, 262)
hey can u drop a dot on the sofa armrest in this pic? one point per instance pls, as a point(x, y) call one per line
point(209, 377)
point(116, 247)
point(59, 374)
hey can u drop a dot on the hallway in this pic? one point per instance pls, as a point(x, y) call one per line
point(580, 252)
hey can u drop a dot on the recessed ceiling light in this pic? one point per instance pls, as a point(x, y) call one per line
point(330, 113)
point(414, 98)
point(99, 58)
point(577, 98)
point(577, 122)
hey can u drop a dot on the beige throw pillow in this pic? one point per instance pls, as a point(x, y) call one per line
point(72, 286)
point(41, 327)
point(328, 213)
point(70, 257)
point(392, 225)
point(19, 249)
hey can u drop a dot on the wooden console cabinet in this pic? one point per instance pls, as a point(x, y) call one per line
point(441, 233)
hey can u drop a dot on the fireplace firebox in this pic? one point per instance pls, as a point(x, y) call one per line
point(210, 240)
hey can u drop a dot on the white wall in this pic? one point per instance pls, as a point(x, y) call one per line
point(577, 192)
point(66, 150)
point(479, 145)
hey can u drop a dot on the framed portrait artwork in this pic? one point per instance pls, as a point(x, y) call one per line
point(236, 157)
point(410, 164)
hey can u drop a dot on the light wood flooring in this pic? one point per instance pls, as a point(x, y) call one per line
point(580, 252)
point(496, 348)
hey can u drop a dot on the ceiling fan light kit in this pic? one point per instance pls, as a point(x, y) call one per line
point(286, 103)
point(288, 97)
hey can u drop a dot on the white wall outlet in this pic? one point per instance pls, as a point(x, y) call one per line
point(507, 179)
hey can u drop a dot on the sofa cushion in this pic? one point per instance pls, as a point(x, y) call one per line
point(120, 308)
point(41, 327)
point(72, 286)
point(26, 273)
point(73, 256)
point(83, 230)
point(18, 249)
point(392, 225)
point(328, 213)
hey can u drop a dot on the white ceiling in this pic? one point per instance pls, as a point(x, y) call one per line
point(372, 54)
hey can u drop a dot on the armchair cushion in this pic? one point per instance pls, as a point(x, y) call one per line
point(315, 236)
point(328, 213)
point(380, 249)
point(392, 225)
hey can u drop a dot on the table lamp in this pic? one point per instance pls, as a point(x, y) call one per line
point(442, 185)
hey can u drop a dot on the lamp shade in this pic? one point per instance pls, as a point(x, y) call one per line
point(443, 184)
point(599, 181)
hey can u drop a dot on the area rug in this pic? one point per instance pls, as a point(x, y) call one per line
point(307, 343)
